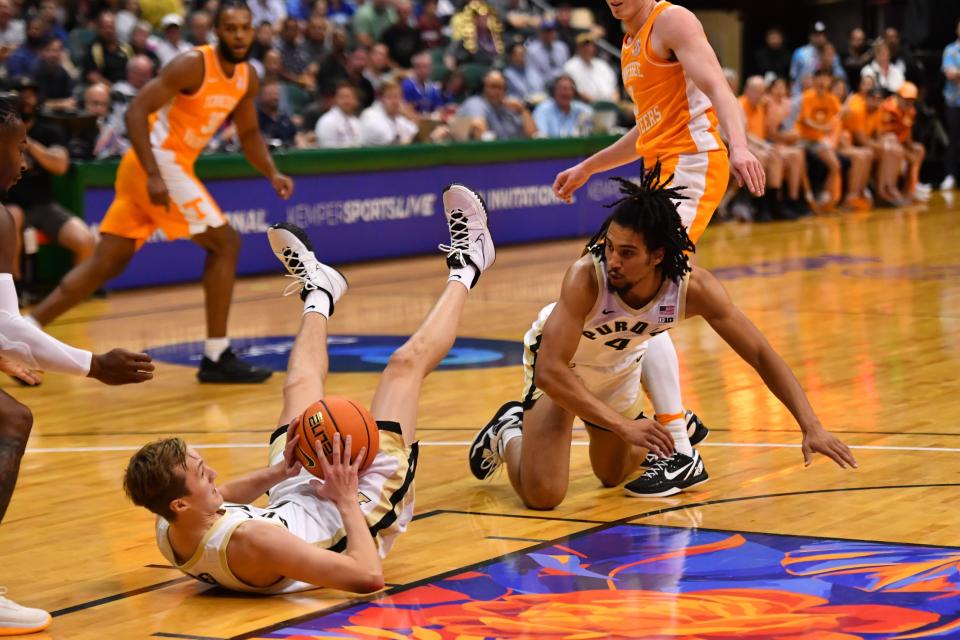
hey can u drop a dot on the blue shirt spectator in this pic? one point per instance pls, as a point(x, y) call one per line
point(419, 90)
point(505, 118)
point(547, 55)
point(522, 80)
point(553, 122)
point(951, 60)
point(806, 59)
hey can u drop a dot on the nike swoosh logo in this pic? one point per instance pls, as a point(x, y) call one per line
point(313, 306)
point(673, 476)
point(607, 312)
point(480, 238)
point(456, 275)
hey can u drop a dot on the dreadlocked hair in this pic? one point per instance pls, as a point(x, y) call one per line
point(9, 112)
point(650, 208)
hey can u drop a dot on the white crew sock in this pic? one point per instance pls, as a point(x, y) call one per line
point(317, 302)
point(213, 348)
point(660, 377)
point(463, 275)
point(507, 434)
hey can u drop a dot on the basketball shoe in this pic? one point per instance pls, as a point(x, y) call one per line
point(696, 430)
point(470, 241)
point(16, 619)
point(293, 248)
point(668, 476)
point(486, 452)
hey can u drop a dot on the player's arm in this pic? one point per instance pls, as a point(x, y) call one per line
point(254, 148)
point(679, 31)
point(706, 297)
point(53, 159)
point(251, 486)
point(183, 74)
point(558, 344)
point(621, 152)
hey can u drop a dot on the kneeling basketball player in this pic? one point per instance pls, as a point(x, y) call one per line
point(330, 533)
point(584, 354)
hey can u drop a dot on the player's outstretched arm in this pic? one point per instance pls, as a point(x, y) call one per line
point(679, 31)
point(706, 297)
point(561, 336)
point(182, 74)
point(254, 148)
point(619, 153)
point(251, 486)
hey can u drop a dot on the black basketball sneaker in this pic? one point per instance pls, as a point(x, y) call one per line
point(231, 369)
point(485, 455)
point(696, 430)
point(668, 476)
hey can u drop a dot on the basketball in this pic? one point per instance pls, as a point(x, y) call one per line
point(325, 418)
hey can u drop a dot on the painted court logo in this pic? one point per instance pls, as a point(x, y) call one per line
point(350, 353)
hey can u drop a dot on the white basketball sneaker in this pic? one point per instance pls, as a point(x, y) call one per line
point(16, 619)
point(293, 248)
point(470, 241)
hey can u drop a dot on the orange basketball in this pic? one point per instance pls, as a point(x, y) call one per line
point(325, 418)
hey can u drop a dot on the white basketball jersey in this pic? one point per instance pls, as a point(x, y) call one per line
point(614, 334)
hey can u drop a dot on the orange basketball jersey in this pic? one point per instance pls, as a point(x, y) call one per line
point(673, 116)
point(186, 124)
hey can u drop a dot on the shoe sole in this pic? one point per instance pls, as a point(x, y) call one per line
point(19, 631)
point(663, 494)
point(483, 204)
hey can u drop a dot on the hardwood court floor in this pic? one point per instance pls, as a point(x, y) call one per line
point(865, 307)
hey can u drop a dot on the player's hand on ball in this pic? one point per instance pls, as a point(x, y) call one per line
point(651, 435)
point(821, 441)
point(20, 371)
point(283, 185)
point(121, 367)
point(340, 474)
point(568, 181)
point(290, 466)
point(157, 190)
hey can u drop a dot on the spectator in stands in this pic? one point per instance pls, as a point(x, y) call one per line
point(476, 35)
point(547, 55)
point(505, 117)
point(32, 198)
point(567, 33)
point(109, 140)
point(275, 126)
point(455, 88)
point(951, 95)
point(430, 26)
point(753, 102)
point(422, 93)
point(378, 67)
point(294, 56)
point(860, 157)
point(343, 65)
point(22, 61)
point(898, 113)
point(519, 19)
point(54, 83)
point(819, 112)
point(12, 30)
point(595, 78)
point(807, 59)
point(861, 121)
point(340, 12)
point(262, 42)
point(106, 60)
point(889, 75)
point(171, 43)
point(773, 58)
point(315, 39)
point(269, 11)
point(402, 38)
point(382, 123)
point(899, 53)
point(858, 54)
point(562, 116)
point(200, 31)
point(140, 70)
point(339, 127)
point(51, 14)
point(141, 43)
point(371, 20)
point(127, 19)
point(784, 139)
point(522, 81)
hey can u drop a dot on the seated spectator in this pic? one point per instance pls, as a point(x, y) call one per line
point(519, 19)
point(819, 111)
point(899, 54)
point(402, 38)
point(32, 198)
point(595, 78)
point(127, 19)
point(371, 20)
point(548, 54)
point(898, 113)
point(561, 116)
point(200, 29)
point(950, 67)
point(12, 30)
point(276, 127)
point(140, 71)
point(272, 12)
point(566, 32)
point(383, 124)
point(773, 58)
point(53, 82)
point(378, 67)
point(455, 88)
point(141, 43)
point(858, 55)
point(339, 127)
point(860, 157)
point(522, 81)
point(272, 67)
point(25, 57)
point(315, 40)
point(262, 42)
point(340, 12)
point(784, 139)
point(109, 141)
point(340, 66)
point(887, 74)
point(172, 43)
point(106, 59)
point(861, 121)
point(430, 26)
point(422, 93)
point(807, 59)
point(753, 103)
point(294, 55)
point(476, 34)
point(503, 117)
point(53, 17)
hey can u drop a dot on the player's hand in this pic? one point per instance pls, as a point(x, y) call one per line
point(649, 434)
point(121, 367)
point(568, 181)
point(20, 371)
point(340, 474)
point(283, 185)
point(289, 466)
point(157, 190)
point(747, 170)
point(819, 440)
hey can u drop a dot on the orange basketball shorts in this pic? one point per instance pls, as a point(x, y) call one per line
point(705, 176)
point(132, 215)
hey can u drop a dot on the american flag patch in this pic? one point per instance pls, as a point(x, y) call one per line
point(668, 309)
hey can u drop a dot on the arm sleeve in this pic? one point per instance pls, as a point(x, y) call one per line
point(22, 340)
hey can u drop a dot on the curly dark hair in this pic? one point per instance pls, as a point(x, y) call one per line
point(224, 5)
point(650, 209)
point(9, 111)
